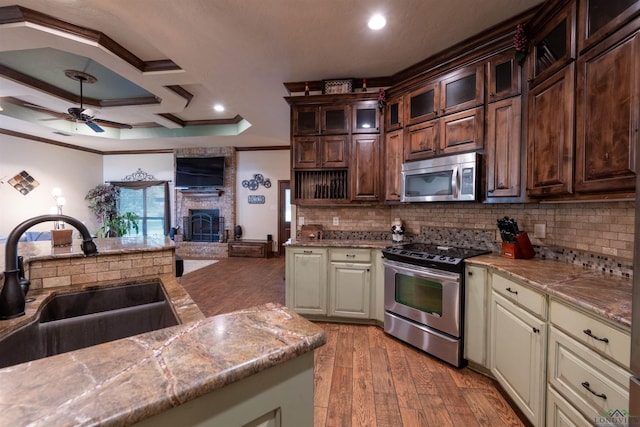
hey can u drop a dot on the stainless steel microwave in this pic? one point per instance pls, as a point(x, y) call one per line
point(441, 179)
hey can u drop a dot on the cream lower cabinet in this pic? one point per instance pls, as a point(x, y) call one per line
point(476, 313)
point(586, 366)
point(334, 282)
point(517, 347)
point(350, 289)
point(306, 280)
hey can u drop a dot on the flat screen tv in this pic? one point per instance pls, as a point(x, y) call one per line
point(199, 172)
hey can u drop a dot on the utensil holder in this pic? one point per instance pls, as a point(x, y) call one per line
point(521, 249)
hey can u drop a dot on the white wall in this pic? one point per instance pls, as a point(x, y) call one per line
point(259, 220)
point(74, 172)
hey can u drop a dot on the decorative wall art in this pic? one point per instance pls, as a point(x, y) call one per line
point(256, 181)
point(23, 182)
point(256, 200)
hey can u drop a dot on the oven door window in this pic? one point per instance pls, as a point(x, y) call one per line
point(419, 293)
point(429, 184)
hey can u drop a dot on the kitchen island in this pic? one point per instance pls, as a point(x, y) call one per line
point(233, 369)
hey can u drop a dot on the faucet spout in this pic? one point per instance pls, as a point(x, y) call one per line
point(12, 300)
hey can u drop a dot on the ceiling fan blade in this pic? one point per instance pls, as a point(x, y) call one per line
point(94, 126)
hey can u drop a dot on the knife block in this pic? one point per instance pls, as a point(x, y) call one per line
point(521, 249)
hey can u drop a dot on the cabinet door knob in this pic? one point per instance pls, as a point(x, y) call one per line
point(536, 330)
point(588, 332)
point(470, 273)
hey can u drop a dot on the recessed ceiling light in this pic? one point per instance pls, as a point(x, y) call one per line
point(219, 108)
point(377, 22)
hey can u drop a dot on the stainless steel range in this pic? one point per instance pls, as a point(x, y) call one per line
point(423, 297)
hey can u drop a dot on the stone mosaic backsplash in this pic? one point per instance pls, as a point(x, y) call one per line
point(485, 239)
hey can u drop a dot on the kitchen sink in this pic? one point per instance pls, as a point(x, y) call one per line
point(77, 320)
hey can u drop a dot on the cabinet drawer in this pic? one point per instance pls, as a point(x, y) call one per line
point(350, 255)
point(560, 413)
point(526, 297)
point(590, 383)
point(595, 334)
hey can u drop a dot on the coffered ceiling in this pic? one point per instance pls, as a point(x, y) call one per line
point(161, 65)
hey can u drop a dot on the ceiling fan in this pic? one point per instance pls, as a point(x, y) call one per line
point(75, 114)
point(80, 114)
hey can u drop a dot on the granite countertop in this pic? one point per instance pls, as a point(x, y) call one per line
point(125, 381)
point(342, 243)
point(41, 250)
point(602, 293)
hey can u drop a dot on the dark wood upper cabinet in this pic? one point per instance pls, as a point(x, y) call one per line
point(608, 114)
point(421, 104)
point(550, 152)
point(335, 119)
point(503, 76)
point(365, 167)
point(553, 45)
point(461, 90)
point(366, 117)
point(503, 148)
point(393, 159)
point(306, 152)
point(394, 113)
point(599, 18)
point(306, 120)
point(334, 151)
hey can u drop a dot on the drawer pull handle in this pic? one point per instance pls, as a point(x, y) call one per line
point(470, 273)
point(536, 330)
point(350, 256)
point(586, 385)
point(307, 252)
point(512, 291)
point(588, 332)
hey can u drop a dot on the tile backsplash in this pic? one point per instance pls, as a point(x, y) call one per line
point(597, 235)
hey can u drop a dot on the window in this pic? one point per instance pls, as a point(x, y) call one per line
point(149, 204)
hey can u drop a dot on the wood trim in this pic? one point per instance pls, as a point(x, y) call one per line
point(72, 97)
point(15, 14)
point(237, 119)
point(181, 92)
point(267, 148)
point(48, 141)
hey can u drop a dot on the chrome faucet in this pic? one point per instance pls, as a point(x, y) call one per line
point(12, 299)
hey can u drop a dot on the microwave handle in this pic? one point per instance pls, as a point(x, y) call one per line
point(455, 182)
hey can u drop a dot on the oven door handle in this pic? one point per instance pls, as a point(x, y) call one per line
point(422, 272)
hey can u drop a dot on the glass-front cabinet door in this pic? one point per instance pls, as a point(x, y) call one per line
point(461, 90)
point(553, 46)
point(503, 76)
point(599, 17)
point(421, 103)
point(394, 118)
point(335, 119)
point(366, 118)
point(306, 120)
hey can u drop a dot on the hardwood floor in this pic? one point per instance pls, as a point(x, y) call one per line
point(363, 377)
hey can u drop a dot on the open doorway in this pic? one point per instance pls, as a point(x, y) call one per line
point(284, 214)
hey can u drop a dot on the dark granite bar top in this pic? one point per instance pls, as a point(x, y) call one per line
point(602, 293)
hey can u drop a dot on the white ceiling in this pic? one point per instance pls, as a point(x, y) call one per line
point(235, 52)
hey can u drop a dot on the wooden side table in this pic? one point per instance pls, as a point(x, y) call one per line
point(250, 248)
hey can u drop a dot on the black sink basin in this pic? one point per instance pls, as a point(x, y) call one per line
point(81, 319)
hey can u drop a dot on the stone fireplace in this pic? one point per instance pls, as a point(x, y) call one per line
point(203, 225)
point(206, 217)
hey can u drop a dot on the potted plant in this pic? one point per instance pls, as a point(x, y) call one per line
point(103, 202)
point(119, 225)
